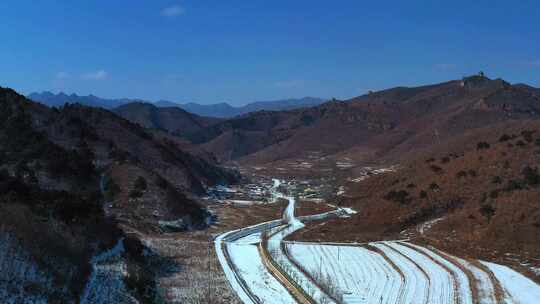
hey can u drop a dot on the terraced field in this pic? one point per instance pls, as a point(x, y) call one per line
point(263, 268)
point(402, 272)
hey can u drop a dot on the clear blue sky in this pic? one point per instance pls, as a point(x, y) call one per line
point(240, 50)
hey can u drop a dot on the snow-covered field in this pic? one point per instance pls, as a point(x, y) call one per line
point(518, 288)
point(244, 267)
point(400, 272)
point(380, 272)
point(17, 270)
point(281, 258)
point(240, 259)
point(260, 282)
point(351, 269)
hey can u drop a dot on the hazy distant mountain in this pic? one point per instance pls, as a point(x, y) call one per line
point(223, 110)
point(213, 110)
point(226, 110)
point(56, 100)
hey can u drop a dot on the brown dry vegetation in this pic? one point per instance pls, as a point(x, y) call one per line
point(304, 208)
point(172, 119)
point(381, 125)
point(142, 207)
point(199, 277)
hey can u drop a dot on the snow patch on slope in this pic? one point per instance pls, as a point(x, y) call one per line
point(17, 270)
point(106, 283)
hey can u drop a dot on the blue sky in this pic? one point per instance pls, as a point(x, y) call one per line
point(241, 51)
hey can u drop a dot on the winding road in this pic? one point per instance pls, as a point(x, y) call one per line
point(238, 254)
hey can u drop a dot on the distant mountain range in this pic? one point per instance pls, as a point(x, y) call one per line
point(225, 110)
point(60, 99)
point(222, 110)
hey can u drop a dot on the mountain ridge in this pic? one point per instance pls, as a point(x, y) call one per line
point(225, 110)
point(220, 110)
point(57, 100)
point(171, 119)
point(388, 122)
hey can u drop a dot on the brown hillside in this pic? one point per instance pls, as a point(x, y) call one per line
point(113, 138)
point(485, 187)
point(60, 166)
point(171, 119)
point(388, 123)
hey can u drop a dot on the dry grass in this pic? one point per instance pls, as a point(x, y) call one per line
point(196, 277)
point(186, 263)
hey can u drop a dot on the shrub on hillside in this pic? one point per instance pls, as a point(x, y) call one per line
point(520, 143)
point(505, 137)
point(135, 193)
point(527, 135)
point(531, 175)
point(140, 184)
point(434, 187)
point(118, 155)
point(515, 184)
point(111, 190)
point(461, 174)
point(496, 180)
point(401, 197)
point(487, 211)
point(482, 145)
point(436, 169)
point(161, 182)
point(484, 197)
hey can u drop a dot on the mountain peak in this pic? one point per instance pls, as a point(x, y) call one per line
point(481, 81)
